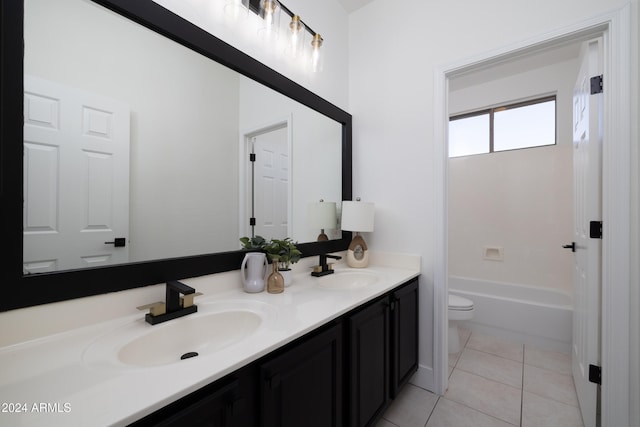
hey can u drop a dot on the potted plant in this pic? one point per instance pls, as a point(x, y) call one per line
point(253, 243)
point(286, 252)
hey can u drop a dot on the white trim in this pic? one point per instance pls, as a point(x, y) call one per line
point(615, 26)
point(423, 378)
point(616, 213)
point(441, 239)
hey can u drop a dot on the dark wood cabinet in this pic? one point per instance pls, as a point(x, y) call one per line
point(218, 409)
point(369, 363)
point(404, 321)
point(383, 352)
point(228, 402)
point(303, 386)
point(345, 373)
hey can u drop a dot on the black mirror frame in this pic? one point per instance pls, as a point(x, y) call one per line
point(30, 290)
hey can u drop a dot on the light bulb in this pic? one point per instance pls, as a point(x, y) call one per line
point(316, 54)
point(296, 37)
point(237, 9)
point(270, 13)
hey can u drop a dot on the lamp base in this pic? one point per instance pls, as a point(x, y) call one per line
point(358, 254)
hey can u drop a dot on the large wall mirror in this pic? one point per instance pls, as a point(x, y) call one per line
point(125, 123)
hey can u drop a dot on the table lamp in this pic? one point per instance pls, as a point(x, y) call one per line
point(323, 216)
point(357, 217)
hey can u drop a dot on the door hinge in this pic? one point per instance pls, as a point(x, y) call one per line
point(596, 84)
point(252, 221)
point(595, 374)
point(252, 157)
point(595, 229)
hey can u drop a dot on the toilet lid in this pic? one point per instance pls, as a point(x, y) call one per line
point(459, 303)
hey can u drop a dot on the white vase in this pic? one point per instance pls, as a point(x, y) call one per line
point(288, 277)
point(253, 274)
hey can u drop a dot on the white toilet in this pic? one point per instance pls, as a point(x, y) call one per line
point(459, 309)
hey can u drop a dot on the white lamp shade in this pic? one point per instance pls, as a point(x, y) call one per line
point(323, 215)
point(357, 216)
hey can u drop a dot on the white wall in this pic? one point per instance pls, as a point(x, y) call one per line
point(394, 51)
point(520, 200)
point(634, 300)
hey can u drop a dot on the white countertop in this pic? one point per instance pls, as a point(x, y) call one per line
point(73, 377)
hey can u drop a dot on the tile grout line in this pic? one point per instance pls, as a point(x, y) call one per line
point(432, 411)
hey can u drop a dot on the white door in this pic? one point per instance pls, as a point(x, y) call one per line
point(587, 144)
point(271, 195)
point(76, 178)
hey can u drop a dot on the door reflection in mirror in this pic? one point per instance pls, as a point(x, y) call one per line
point(187, 116)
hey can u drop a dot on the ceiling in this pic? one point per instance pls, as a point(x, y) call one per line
point(351, 5)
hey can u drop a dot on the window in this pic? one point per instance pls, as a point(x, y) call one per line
point(510, 127)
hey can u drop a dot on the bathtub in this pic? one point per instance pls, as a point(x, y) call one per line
point(532, 315)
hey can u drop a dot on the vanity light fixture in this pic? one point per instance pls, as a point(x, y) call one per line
point(297, 46)
point(270, 14)
point(357, 217)
point(324, 217)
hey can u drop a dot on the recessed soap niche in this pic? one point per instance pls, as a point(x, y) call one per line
point(493, 253)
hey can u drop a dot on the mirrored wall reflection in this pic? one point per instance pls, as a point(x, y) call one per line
point(131, 136)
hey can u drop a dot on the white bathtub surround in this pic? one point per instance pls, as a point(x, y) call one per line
point(60, 359)
point(527, 314)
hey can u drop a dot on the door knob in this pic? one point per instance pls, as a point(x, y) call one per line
point(118, 242)
point(572, 246)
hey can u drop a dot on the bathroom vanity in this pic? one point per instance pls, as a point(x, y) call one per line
point(329, 351)
point(351, 368)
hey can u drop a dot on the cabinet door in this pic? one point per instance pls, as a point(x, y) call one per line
point(369, 363)
point(404, 303)
point(303, 385)
point(212, 406)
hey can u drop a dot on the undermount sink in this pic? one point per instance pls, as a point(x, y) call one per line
point(213, 328)
point(348, 279)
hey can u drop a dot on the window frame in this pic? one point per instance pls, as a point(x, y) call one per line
point(502, 107)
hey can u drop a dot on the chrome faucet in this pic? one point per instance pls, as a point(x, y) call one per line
point(174, 306)
point(323, 268)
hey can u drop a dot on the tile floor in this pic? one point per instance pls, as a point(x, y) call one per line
point(494, 383)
